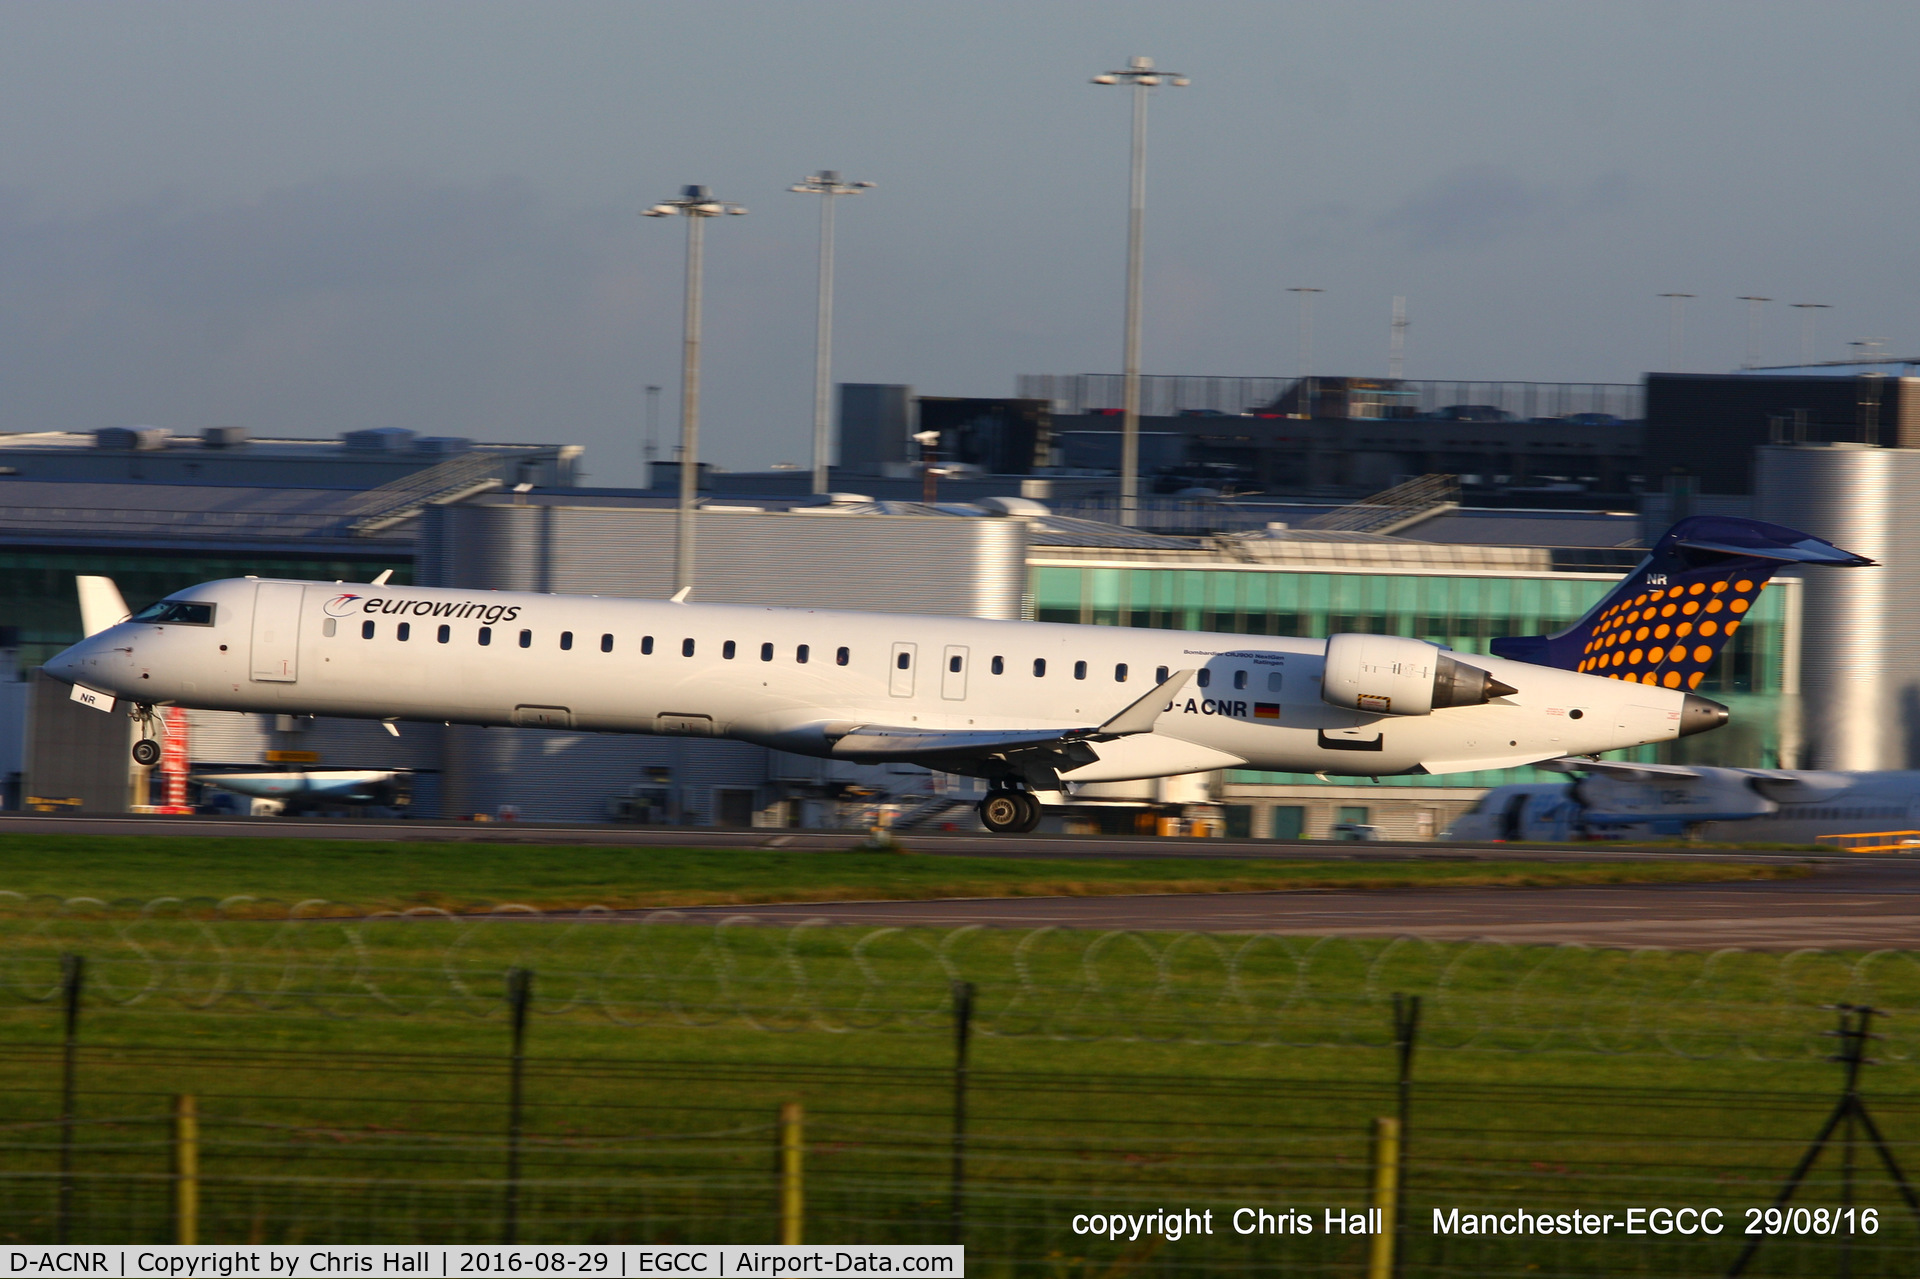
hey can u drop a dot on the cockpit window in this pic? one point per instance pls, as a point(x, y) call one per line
point(176, 613)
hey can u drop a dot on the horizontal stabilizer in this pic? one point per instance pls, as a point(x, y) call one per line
point(1619, 771)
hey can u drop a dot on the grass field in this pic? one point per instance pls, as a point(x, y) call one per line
point(351, 1073)
point(461, 876)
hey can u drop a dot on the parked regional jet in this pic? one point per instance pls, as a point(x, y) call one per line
point(1745, 805)
point(1027, 705)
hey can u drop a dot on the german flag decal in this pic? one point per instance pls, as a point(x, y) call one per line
point(1266, 710)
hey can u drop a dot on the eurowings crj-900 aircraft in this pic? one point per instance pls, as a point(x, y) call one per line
point(1027, 705)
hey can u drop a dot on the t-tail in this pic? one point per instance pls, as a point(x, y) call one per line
point(1666, 622)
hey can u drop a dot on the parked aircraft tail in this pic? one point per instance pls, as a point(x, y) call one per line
point(1669, 618)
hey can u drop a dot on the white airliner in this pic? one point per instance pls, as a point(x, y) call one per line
point(1027, 705)
point(1735, 805)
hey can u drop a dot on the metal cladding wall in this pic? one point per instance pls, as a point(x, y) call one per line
point(874, 563)
point(1707, 425)
point(1860, 642)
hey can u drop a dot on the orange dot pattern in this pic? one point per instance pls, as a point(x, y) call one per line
point(1618, 642)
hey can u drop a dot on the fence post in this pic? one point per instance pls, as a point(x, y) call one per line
point(186, 1170)
point(73, 970)
point(1386, 1196)
point(519, 995)
point(792, 1186)
point(1406, 1027)
point(962, 1027)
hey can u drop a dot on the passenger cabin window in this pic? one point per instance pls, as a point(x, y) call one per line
point(904, 660)
point(1039, 667)
point(999, 665)
point(766, 652)
point(727, 650)
point(486, 636)
point(1160, 674)
point(953, 663)
point(366, 630)
point(526, 639)
point(606, 643)
point(686, 648)
point(1079, 670)
point(646, 645)
point(1239, 679)
point(1273, 681)
point(328, 627)
point(176, 613)
point(444, 634)
point(1120, 673)
point(841, 656)
point(404, 631)
point(1206, 677)
point(566, 640)
point(800, 654)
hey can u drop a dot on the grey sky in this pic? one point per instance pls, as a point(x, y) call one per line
point(305, 218)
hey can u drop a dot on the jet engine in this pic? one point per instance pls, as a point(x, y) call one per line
point(1394, 675)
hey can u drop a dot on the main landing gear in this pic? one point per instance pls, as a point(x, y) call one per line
point(1009, 812)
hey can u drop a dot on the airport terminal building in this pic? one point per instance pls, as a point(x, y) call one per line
point(1815, 678)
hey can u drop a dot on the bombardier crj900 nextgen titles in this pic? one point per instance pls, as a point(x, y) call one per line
point(1029, 706)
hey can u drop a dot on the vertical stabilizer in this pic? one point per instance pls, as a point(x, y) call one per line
point(100, 604)
point(1669, 618)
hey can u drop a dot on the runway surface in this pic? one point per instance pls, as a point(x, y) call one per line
point(1848, 905)
point(931, 843)
point(1849, 902)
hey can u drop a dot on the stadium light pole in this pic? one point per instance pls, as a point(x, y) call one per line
point(696, 204)
point(1753, 327)
point(825, 184)
point(1141, 75)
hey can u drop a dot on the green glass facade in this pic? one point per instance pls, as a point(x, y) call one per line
point(37, 593)
point(1461, 612)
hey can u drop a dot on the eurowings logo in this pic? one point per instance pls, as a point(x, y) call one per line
point(342, 605)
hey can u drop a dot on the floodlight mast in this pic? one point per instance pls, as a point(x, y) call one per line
point(1142, 76)
point(827, 185)
point(696, 204)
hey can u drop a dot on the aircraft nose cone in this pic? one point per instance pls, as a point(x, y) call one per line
point(1700, 715)
point(64, 665)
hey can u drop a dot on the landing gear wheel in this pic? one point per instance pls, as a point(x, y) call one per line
point(1003, 811)
point(1032, 817)
point(146, 752)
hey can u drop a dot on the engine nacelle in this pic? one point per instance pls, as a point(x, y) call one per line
point(1394, 675)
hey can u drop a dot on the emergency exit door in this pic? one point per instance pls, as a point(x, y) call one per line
point(900, 670)
point(953, 673)
point(276, 632)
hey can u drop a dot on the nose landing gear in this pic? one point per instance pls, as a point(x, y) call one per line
point(146, 751)
point(1009, 812)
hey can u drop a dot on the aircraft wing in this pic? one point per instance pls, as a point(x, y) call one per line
point(874, 743)
point(1621, 772)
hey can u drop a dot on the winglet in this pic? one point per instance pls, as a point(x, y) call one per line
point(1143, 714)
point(381, 580)
point(100, 604)
point(680, 596)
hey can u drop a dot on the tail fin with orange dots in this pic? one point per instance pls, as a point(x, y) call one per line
point(1669, 618)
